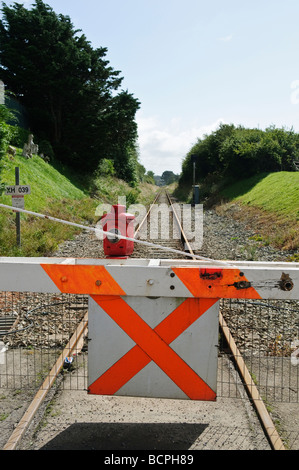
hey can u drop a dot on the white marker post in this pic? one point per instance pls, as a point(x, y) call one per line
point(17, 192)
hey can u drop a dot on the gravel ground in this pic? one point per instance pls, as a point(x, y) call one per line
point(79, 421)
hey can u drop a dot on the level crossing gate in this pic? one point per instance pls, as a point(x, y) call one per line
point(152, 324)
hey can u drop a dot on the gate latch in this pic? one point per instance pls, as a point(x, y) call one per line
point(242, 285)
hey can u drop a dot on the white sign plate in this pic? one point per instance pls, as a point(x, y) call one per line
point(18, 202)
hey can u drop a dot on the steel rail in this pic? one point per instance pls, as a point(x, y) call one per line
point(22, 426)
point(40, 396)
point(100, 231)
point(262, 412)
point(186, 242)
point(146, 215)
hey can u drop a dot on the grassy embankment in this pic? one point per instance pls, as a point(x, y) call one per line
point(57, 192)
point(270, 204)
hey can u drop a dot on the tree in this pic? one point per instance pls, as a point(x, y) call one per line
point(5, 128)
point(150, 177)
point(169, 177)
point(239, 152)
point(206, 150)
point(121, 131)
point(70, 91)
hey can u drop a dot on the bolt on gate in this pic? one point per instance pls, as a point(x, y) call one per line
point(152, 324)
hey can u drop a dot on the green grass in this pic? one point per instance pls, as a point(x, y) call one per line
point(270, 204)
point(45, 181)
point(52, 193)
point(58, 192)
point(275, 192)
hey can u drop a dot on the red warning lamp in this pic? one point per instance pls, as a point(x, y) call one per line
point(118, 222)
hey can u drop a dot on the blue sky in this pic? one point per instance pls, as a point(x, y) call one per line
point(194, 63)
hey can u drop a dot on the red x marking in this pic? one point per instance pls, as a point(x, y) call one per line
point(153, 345)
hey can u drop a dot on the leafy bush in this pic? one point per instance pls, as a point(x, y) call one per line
point(5, 114)
point(132, 196)
point(239, 152)
point(18, 136)
point(105, 168)
point(6, 130)
point(46, 149)
point(5, 136)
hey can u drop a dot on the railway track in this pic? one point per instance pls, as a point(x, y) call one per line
point(180, 242)
point(180, 247)
point(159, 229)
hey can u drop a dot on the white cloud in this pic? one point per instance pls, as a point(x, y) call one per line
point(164, 147)
point(226, 38)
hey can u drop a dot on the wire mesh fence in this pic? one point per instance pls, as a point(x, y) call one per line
point(266, 335)
point(35, 330)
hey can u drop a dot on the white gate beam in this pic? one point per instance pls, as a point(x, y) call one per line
point(142, 277)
